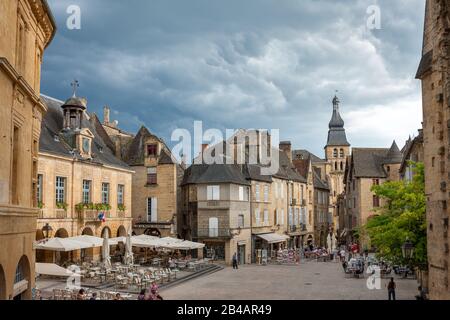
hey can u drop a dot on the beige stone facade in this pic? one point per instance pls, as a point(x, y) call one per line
point(82, 188)
point(434, 71)
point(365, 168)
point(73, 221)
point(26, 28)
point(156, 180)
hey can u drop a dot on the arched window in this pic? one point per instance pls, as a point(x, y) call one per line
point(335, 166)
point(341, 153)
point(342, 166)
point(213, 227)
point(335, 153)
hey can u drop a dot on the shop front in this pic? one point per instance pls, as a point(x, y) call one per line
point(214, 250)
point(267, 245)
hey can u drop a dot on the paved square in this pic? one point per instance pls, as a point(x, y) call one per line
point(310, 280)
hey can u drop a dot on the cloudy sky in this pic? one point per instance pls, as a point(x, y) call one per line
point(244, 64)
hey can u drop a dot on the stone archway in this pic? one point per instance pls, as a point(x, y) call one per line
point(22, 280)
point(87, 254)
point(61, 257)
point(121, 232)
point(2, 284)
point(61, 233)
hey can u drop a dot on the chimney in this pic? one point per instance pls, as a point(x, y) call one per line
point(106, 113)
point(285, 146)
point(204, 146)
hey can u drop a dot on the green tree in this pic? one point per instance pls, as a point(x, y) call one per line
point(403, 217)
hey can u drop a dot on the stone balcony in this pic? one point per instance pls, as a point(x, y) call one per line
point(89, 215)
point(212, 233)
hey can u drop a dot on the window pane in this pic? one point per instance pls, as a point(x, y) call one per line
point(105, 193)
point(120, 192)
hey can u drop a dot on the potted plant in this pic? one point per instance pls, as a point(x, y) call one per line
point(121, 207)
point(61, 205)
point(40, 205)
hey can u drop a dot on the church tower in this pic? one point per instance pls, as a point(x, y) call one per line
point(336, 151)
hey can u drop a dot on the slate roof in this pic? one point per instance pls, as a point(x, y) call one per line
point(214, 173)
point(336, 132)
point(408, 147)
point(368, 162)
point(135, 154)
point(319, 183)
point(51, 127)
point(240, 174)
point(305, 154)
point(425, 64)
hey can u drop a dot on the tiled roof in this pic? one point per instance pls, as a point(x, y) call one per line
point(368, 162)
point(135, 154)
point(53, 141)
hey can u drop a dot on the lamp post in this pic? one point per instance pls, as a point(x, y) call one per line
point(47, 230)
point(408, 252)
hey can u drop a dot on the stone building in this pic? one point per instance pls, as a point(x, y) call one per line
point(79, 178)
point(366, 167)
point(27, 27)
point(276, 209)
point(434, 73)
point(412, 152)
point(322, 215)
point(156, 184)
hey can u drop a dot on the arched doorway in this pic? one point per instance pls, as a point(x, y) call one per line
point(87, 254)
point(61, 257)
point(121, 232)
point(2, 284)
point(22, 284)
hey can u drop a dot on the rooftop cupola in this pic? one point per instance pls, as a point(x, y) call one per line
point(73, 109)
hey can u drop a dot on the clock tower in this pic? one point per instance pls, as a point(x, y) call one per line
point(336, 151)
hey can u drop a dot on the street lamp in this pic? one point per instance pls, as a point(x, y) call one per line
point(47, 230)
point(408, 249)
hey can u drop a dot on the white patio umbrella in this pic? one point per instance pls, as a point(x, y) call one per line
point(128, 250)
point(95, 241)
point(62, 244)
point(106, 253)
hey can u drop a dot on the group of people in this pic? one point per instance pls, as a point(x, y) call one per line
point(82, 295)
point(146, 294)
point(150, 294)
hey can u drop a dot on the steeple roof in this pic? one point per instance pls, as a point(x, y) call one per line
point(336, 132)
point(394, 155)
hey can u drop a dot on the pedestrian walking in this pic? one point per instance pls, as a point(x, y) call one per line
point(391, 289)
point(235, 261)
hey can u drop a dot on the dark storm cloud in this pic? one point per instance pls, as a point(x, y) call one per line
point(232, 64)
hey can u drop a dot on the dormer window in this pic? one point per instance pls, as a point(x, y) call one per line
point(152, 150)
point(86, 145)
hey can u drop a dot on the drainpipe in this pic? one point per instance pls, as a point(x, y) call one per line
point(252, 244)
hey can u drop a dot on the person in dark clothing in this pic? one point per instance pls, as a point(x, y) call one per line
point(235, 261)
point(391, 289)
point(141, 295)
point(94, 296)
